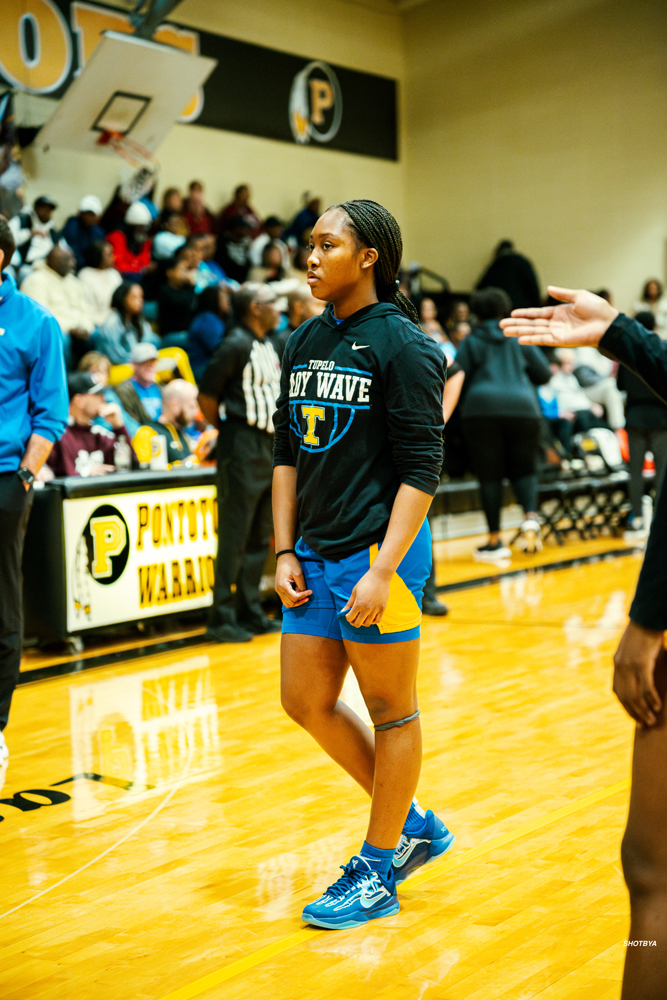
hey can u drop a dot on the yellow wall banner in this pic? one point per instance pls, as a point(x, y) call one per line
point(136, 555)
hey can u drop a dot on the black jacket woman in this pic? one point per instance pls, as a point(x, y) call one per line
point(501, 418)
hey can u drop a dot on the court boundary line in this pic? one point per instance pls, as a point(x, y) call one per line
point(589, 560)
point(200, 986)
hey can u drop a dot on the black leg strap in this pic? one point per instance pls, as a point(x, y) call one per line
point(394, 725)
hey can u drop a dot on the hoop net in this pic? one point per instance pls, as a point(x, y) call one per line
point(140, 167)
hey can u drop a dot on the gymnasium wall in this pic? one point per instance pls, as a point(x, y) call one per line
point(544, 121)
point(340, 32)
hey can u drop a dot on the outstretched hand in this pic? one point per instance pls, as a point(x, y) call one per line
point(580, 322)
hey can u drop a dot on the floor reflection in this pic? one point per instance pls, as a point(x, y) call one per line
point(142, 730)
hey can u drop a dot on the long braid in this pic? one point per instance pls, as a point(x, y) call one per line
point(373, 226)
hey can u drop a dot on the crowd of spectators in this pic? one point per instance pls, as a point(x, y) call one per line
point(144, 295)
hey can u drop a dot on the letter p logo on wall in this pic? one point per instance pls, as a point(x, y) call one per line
point(109, 539)
point(107, 544)
point(315, 104)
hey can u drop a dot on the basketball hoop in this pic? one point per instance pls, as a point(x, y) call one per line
point(137, 178)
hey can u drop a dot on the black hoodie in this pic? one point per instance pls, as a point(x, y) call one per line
point(501, 374)
point(359, 413)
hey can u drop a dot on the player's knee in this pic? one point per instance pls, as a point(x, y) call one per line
point(383, 710)
point(304, 707)
point(644, 866)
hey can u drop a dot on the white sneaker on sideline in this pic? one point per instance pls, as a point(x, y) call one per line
point(492, 553)
point(530, 540)
point(4, 752)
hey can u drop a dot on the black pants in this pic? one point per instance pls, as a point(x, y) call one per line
point(504, 447)
point(245, 523)
point(15, 504)
point(639, 442)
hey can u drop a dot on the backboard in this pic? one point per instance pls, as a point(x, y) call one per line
point(128, 86)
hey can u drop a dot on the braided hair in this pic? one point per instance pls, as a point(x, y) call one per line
point(373, 226)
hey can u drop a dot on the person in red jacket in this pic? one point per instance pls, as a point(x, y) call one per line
point(131, 244)
point(87, 448)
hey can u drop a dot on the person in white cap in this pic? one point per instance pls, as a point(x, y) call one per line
point(131, 244)
point(83, 229)
point(140, 395)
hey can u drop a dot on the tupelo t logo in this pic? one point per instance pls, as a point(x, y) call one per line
point(315, 104)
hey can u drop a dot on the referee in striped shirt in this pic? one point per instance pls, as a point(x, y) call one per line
point(238, 393)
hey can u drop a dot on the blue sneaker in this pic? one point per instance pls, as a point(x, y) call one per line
point(415, 850)
point(359, 895)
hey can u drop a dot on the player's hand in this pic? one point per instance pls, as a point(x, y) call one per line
point(639, 652)
point(369, 599)
point(580, 322)
point(290, 581)
point(101, 469)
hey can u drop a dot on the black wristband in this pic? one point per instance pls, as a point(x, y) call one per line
point(284, 552)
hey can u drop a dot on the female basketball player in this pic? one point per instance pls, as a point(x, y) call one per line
point(640, 663)
point(357, 460)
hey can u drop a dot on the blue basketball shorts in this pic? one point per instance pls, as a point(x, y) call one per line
point(332, 582)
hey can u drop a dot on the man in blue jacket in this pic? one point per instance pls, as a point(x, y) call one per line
point(33, 415)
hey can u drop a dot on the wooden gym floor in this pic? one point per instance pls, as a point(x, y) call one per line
point(200, 819)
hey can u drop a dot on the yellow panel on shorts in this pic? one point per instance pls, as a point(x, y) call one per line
point(402, 611)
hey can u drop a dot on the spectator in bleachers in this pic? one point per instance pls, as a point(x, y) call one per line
point(172, 206)
point(240, 206)
point(594, 373)
point(646, 426)
point(99, 278)
point(300, 228)
point(272, 271)
point(428, 318)
point(208, 327)
point(301, 306)
point(654, 300)
point(501, 417)
point(125, 325)
point(179, 410)
point(233, 246)
point(565, 404)
point(458, 313)
point(165, 247)
point(459, 334)
point(98, 365)
point(273, 233)
point(34, 231)
point(174, 223)
point(131, 244)
point(54, 285)
point(87, 449)
point(140, 394)
point(515, 274)
point(196, 215)
point(177, 300)
point(209, 266)
point(83, 229)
